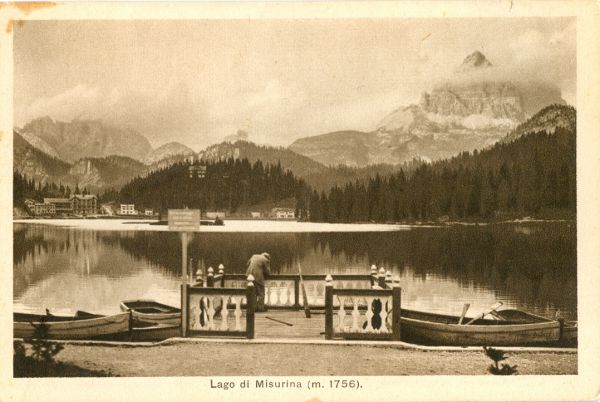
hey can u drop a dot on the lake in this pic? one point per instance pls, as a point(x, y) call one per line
point(531, 266)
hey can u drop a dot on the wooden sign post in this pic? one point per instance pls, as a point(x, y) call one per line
point(184, 221)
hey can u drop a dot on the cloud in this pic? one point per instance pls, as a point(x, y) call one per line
point(171, 114)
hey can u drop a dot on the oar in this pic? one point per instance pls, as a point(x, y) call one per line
point(498, 316)
point(464, 311)
point(305, 299)
point(279, 321)
point(480, 316)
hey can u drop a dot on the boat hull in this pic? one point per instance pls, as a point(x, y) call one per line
point(65, 328)
point(151, 312)
point(434, 329)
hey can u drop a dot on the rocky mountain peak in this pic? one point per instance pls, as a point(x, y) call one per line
point(475, 60)
point(470, 109)
point(85, 138)
point(240, 135)
point(167, 150)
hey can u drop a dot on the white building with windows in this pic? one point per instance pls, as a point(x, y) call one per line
point(283, 213)
point(127, 209)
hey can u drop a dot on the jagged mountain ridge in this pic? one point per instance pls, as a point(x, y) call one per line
point(87, 138)
point(470, 110)
point(299, 164)
point(36, 164)
point(40, 144)
point(93, 173)
point(316, 174)
point(166, 151)
point(548, 119)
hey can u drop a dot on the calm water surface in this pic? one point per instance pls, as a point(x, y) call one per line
point(530, 266)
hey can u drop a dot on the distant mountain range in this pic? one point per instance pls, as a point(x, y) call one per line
point(93, 173)
point(166, 151)
point(84, 138)
point(466, 112)
point(470, 110)
point(114, 171)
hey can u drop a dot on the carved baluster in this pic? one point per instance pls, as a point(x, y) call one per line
point(369, 315)
point(207, 304)
point(355, 315)
point(287, 293)
point(312, 295)
point(383, 314)
point(341, 315)
point(193, 317)
point(224, 313)
point(279, 289)
point(238, 313)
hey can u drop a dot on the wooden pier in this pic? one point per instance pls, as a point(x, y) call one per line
point(346, 306)
point(303, 328)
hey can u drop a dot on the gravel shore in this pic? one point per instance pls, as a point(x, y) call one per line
point(228, 359)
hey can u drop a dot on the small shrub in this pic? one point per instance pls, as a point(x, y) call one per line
point(41, 348)
point(497, 356)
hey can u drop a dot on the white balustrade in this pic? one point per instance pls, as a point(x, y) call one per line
point(279, 293)
point(315, 290)
point(351, 317)
point(341, 315)
point(213, 313)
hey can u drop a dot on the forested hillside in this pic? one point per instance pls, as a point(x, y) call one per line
point(228, 185)
point(24, 187)
point(534, 174)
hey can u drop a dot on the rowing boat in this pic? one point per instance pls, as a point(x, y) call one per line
point(152, 312)
point(510, 328)
point(70, 327)
point(140, 331)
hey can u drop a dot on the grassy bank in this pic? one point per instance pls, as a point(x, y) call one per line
point(205, 358)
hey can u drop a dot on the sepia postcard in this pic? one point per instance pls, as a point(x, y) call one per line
point(304, 201)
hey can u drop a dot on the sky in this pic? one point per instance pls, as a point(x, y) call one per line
point(198, 81)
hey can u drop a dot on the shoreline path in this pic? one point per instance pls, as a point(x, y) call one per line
point(199, 358)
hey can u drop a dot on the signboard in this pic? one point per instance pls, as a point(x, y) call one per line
point(184, 220)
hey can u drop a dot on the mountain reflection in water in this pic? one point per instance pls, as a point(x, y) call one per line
point(531, 266)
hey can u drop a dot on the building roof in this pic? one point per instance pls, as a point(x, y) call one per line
point(83, 197)
point(55, 200)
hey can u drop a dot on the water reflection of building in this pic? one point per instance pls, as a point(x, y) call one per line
point(439, 268)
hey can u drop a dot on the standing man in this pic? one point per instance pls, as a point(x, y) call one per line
point(259, 266)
